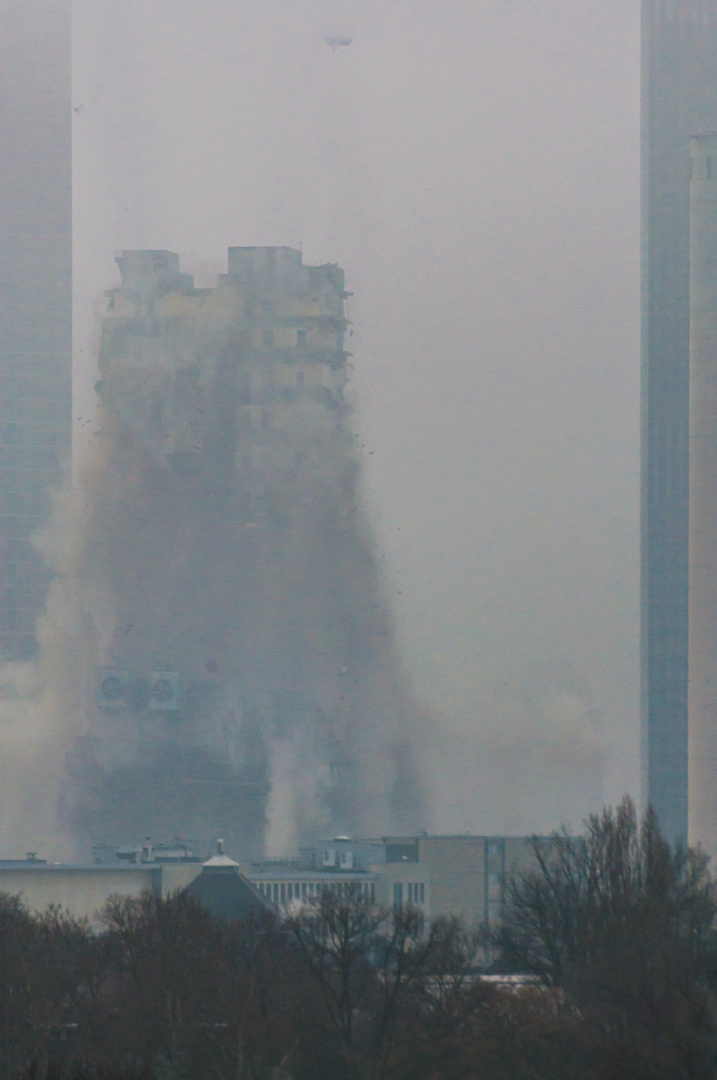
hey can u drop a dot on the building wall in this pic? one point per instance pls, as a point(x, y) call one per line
point(679, 99)
point(456, 866)
point(467, 875)
point(35, 296)
point(176, 877)
point(405, 884)
point(80, 891)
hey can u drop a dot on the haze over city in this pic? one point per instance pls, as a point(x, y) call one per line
point(358, 539)
point(474, 169)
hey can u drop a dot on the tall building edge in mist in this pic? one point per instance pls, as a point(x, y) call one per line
point(679, 99)
point(35, 297)
point(703, 494)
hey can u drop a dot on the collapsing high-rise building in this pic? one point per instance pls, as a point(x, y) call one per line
point(679, 100)
point(243, 665)
point(35, 298)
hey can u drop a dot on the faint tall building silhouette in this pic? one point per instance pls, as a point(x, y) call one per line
point(679, 99)
point(35, 296)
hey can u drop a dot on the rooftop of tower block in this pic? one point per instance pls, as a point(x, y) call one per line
point(249, 267)
point(146, 271)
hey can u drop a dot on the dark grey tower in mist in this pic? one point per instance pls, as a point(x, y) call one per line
point(679, 99)
point(35, 296)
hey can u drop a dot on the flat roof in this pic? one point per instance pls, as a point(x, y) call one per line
point(35, 866)
point(292, 873)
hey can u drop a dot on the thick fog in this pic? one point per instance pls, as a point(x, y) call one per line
point(474, 167)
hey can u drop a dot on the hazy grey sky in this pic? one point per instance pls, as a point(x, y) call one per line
point(474, 167)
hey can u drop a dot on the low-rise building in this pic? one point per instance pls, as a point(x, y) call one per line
point(466, 876)
point(83, 889)
point(461, 876)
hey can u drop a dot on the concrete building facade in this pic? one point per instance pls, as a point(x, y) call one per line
point(466, 875)
point(83, 889)
point(679, 99)
point(35, 297)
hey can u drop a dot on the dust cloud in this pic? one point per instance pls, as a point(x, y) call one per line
point(530, 756)
point(41, 699)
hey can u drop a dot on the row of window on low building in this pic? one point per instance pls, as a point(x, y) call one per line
point(414, 893)
point(283, 892)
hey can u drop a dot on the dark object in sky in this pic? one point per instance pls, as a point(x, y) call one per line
point(337, 41)
point(679, 100)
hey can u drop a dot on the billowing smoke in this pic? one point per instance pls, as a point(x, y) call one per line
point(238, 669)
point(530, 757)
point(41, 699)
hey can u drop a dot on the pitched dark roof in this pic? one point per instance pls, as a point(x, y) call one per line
point(225, 892)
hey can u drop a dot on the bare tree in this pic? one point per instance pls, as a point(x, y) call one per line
point(263, 994)
point(165, 955)
point(42, 958)
point(338, 938)
point(625, 924)
point(375, 969)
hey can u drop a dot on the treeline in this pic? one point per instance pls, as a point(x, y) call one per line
point(617, 928)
